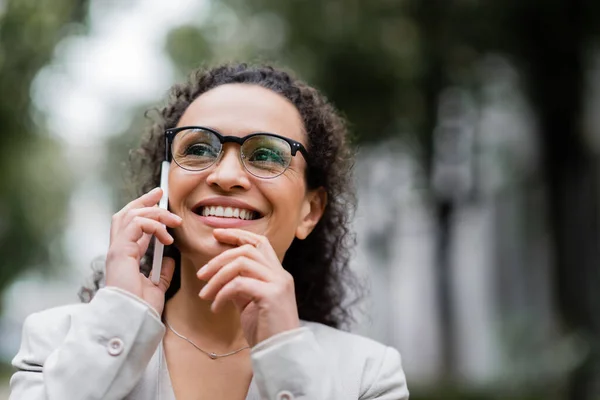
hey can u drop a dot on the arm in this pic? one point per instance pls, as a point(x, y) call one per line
point(100, 350)
point(293, 363)
point(102, 354)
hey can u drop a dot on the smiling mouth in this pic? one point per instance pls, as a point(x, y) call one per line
point(227, 212)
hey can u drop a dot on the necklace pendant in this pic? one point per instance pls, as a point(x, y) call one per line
point(212, 356)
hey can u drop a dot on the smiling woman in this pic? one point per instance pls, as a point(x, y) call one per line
point(251, 292)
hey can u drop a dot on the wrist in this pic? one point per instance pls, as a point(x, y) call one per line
point(157, 312)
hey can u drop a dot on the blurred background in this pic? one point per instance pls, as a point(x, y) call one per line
point(477, 126)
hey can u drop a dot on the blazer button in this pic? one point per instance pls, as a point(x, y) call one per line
point(115, 346)
point(285, 395)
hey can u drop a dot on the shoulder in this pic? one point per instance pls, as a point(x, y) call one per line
point(336, 340)
point(99, 347)
point(372, 363)
point(110, 313)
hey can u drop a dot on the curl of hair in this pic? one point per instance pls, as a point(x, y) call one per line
point(319, 263)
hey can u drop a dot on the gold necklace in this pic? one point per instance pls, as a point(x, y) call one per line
point(211, 355)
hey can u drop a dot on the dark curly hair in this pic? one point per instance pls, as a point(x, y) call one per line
point(319, 263)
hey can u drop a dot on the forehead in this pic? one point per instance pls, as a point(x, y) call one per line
point(240, 109)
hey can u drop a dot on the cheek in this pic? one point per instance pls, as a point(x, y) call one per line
point(287, 202)
point(288, 215)
point(180, 186)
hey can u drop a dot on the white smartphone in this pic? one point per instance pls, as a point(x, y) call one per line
point(163, 203)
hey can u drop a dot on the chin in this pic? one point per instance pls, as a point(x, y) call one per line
point(210, 248)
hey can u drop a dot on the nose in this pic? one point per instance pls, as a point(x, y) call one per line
point(228, 173)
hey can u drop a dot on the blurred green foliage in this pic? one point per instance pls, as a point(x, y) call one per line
point(34, 180)
point(364, 55)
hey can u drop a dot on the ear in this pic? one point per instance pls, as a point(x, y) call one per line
point(313, 208)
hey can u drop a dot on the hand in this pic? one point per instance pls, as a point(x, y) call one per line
point(130, 234)
point(252, 277)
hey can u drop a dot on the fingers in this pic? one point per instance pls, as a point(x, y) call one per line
point(212, 267)
point(156, 213)
point(146, 200)
point(144, 206)
point(240, 237)
point(246, 273)
point(139, 226)
point(241, 266)
point(166, 273)
point(131, 231)
point(241, 290)
point(143, 243)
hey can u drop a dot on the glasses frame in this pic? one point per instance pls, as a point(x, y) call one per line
point(172, 132)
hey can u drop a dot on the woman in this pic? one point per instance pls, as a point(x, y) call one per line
point(258, 228)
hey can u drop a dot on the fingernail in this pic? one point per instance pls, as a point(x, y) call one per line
point(178, 218)
point(201, 270)
point(156, 189)
point(202, 292)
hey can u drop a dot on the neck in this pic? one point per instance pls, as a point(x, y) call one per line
point(191, 316)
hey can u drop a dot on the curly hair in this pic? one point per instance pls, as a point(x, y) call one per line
point(319, 263)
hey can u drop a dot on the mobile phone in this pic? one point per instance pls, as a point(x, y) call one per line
point(164, 204)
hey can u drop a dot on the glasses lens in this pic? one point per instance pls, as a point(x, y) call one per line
point(266, 156)
point(195, 149)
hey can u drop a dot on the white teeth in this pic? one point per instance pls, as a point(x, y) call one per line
point(227, 212)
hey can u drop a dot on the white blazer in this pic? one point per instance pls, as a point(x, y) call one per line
point(111, 348)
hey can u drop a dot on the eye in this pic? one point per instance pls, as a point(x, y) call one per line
point(267, 156)
point(200, 150)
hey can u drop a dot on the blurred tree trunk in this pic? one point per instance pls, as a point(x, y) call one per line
point(553, 44)
point(431, 17)
point(549, 40)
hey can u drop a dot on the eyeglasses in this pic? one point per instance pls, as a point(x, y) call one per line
point(264, 155)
